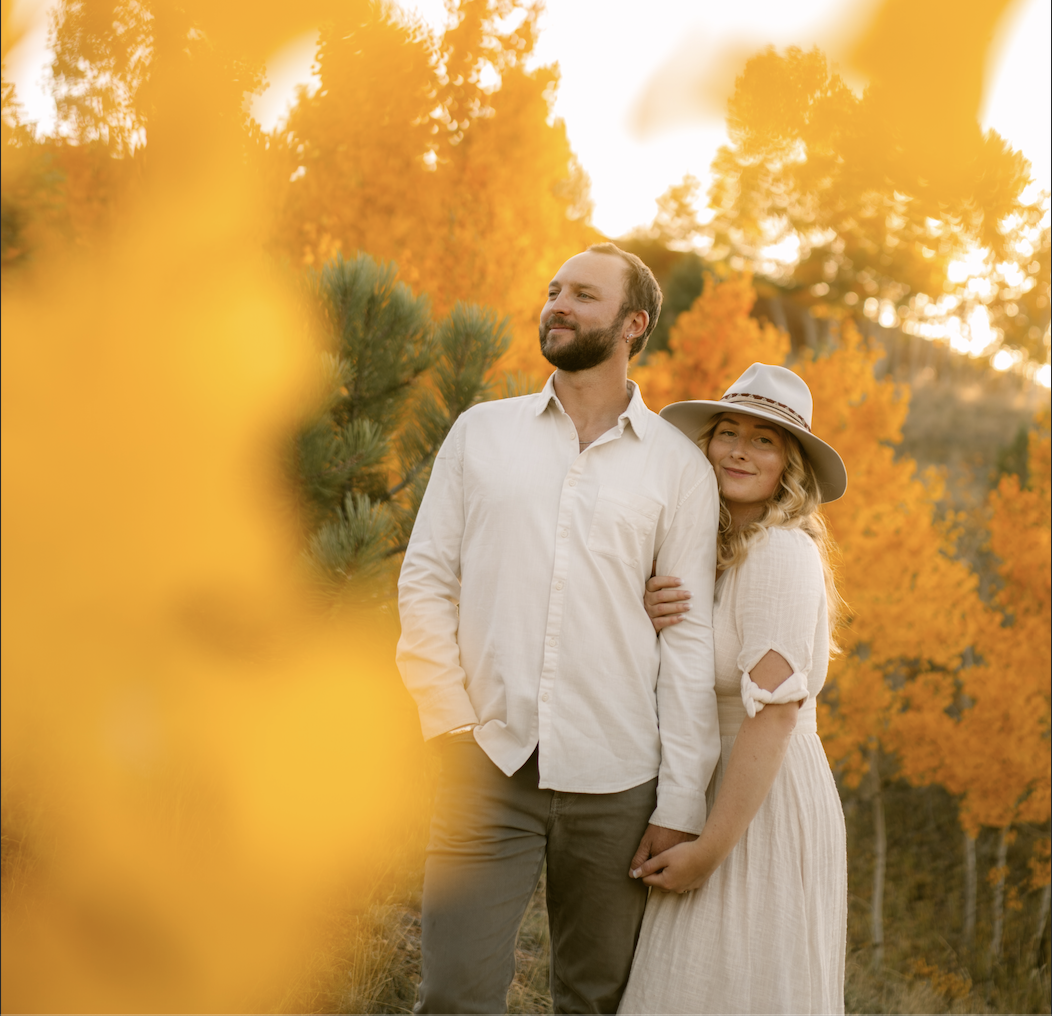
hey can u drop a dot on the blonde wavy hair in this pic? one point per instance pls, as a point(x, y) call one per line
point(796, 504)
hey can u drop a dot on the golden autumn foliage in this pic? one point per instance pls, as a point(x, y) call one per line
point(710, 345)
point(986, 737)
point(912, 606)
point(438, 151)
point(403, 153)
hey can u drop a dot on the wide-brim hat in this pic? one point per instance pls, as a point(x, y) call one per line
point(780, 396)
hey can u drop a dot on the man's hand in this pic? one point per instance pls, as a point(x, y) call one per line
point(656, 840)
point(677, 870)
point(456, 734)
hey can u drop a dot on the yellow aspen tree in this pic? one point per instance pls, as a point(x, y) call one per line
point(514, 207)
point(912, 607)
point(710, 345)
point(986, 738)
point(404, 153)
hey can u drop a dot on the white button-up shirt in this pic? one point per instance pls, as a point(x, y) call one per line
point(521, 600)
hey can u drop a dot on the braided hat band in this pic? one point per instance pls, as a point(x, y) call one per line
point(771, 405)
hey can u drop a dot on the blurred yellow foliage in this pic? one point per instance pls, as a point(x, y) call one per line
point(191, 758)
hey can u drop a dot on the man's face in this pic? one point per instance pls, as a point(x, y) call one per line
point(581, 322)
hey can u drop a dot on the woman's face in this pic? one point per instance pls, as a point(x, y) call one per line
point(748, 455)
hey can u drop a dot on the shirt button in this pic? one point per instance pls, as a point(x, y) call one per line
point(544, 697)
point(564, 533)
point(559, 584)
point(553, 642)
point(573, 482)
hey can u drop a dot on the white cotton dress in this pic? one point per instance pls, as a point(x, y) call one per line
point(767, 932)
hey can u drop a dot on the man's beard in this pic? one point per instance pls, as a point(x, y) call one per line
point(586, 350)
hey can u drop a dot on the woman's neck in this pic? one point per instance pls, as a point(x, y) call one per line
point(743, 514)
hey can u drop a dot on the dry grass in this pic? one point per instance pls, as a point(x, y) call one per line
point(371, 961)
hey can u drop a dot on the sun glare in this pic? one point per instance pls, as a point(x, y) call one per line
point(970, 266)
point(784, 252)
point(1004, 359)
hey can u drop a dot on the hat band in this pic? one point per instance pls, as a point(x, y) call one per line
point(779, 408)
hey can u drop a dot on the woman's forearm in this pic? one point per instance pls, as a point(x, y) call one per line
point(755, 760)
point(756, 757)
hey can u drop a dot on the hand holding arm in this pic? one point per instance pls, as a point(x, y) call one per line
point(664, 601)
point(755, 760)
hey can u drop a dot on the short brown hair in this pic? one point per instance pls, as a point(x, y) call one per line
point(642, 291)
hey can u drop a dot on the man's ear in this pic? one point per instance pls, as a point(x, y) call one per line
point(636, 324)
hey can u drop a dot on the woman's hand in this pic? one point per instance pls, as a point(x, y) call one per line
point(664, 601)
point(678, 870)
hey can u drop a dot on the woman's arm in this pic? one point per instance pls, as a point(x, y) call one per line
point(755, 759)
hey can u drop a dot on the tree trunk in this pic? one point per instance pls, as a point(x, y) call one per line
point(1039, 931)
point(999, 896)
point(968, 934)
point(879, 864)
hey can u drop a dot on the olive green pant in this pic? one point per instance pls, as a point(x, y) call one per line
point(490, 836)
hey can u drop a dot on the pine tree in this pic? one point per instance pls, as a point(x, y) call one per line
point(392, 383)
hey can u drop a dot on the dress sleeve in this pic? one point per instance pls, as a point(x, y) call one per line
point(780, 598)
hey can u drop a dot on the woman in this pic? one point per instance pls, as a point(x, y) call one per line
point(753, 916)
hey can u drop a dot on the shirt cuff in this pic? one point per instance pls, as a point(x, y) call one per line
point(445, 710)
point(679, 809)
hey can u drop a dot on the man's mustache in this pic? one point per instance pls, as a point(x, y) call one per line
point(558, 322)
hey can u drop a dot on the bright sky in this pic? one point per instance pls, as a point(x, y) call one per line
point(620, 68)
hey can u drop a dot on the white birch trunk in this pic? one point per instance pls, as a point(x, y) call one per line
point(999, 897)
point(1039, 932)
point(879, 864)
point(968, 932)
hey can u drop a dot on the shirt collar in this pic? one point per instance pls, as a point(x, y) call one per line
point(636, 414)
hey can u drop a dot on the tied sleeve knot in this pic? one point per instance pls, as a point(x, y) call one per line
point(792, 689)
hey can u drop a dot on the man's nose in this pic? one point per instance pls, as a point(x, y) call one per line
point(561, 305)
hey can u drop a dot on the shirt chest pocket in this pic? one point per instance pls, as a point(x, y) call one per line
point(623, 525)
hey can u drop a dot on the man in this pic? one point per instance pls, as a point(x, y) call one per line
point(568, 732)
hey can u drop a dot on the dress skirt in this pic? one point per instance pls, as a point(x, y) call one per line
point(767, 932)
